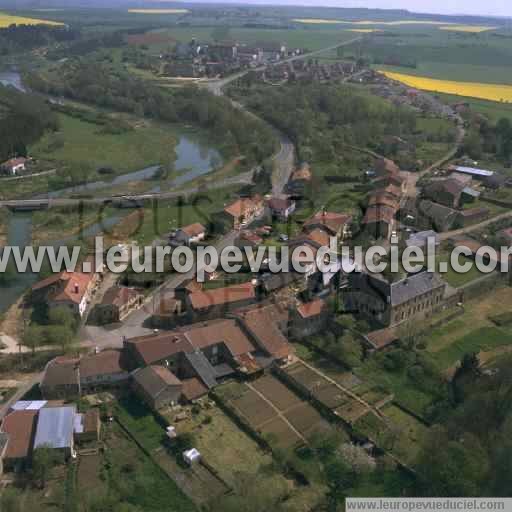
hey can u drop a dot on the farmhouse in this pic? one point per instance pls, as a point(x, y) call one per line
point(244, 211)
point(20, 428)
point(248, 238)
point(308, 318)
point(157, 386)
point(281, 207)
point(72, 290)
point(192, 234)
point(334, 224)
point(67, 378)
point(14, 166)
point(264, 325)
point(117, 303)
point(61, 379)
point(379, 221)
point(414, 297)
point(214, 303)
point(446, 192)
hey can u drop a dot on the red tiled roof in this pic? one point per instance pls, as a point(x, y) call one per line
point(242, 205)
point(379, 214)
point(238, 292)
point(120, 295)
point(13, 162)
point(262, 322)
point(20, 426)
point(193, 389)
point(72, 286)
point(331, 220)
point(382, 338)
point(320, 237)
point(386, 165)
point(309, 309)
point(202, 335)
point(194, 229)
point(279, 203)
point(157, 347)
point(107, 362)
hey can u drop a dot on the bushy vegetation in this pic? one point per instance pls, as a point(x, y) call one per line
point(100, 83)
point(24, 118)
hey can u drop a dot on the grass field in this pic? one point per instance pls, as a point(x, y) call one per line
point(473, 331)
point(309, 38)
point(80, 142)
point(494, 111)
point(492, 92)
point(7, 20)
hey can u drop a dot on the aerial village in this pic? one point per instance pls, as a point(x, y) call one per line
point(265, 357)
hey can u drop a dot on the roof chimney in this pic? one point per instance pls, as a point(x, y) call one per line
point(77, 288)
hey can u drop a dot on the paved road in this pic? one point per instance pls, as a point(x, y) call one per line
point(475, 227)
point(133, 325)
point(240, 179)
point(216, 86)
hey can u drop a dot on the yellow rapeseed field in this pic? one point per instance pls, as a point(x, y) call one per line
point(364, 30)
point(320, 21)
point(6, 20)
point(473, 29)
point(491, 92)
point(158, 11)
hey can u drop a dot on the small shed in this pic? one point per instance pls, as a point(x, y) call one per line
point(192, 456)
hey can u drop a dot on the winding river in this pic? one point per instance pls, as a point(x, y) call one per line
point(194, 158)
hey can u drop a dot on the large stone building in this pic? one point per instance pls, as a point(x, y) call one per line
point(414, 297)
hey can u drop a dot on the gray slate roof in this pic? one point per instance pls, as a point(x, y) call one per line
point(205, 371)
point(414, 286)
point(55, 427)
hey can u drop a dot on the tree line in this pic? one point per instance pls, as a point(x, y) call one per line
point(24, 118)
point(106, 85)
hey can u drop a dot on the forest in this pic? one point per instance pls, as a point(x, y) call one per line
point(23, 119)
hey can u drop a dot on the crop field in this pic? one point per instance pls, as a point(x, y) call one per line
point(397, 432)
point(395, 23)
point(275, 411)
point(6, 20)
point(473, 29)
point(158, 11)
point(333, 397)
point(492, 92)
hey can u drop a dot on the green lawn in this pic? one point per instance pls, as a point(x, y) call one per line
point(456, 279)
point(311, 38)
point(493, 110)
point(481, 339)
point(139, 420)
point(83, 143)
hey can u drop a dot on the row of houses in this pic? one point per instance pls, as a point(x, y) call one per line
point(385, 200)
point(30, 425)
point(183, 364)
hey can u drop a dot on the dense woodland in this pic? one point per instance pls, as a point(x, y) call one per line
point(100, 83)
point(18, 38)
point(23, 119)
point(327, 117)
